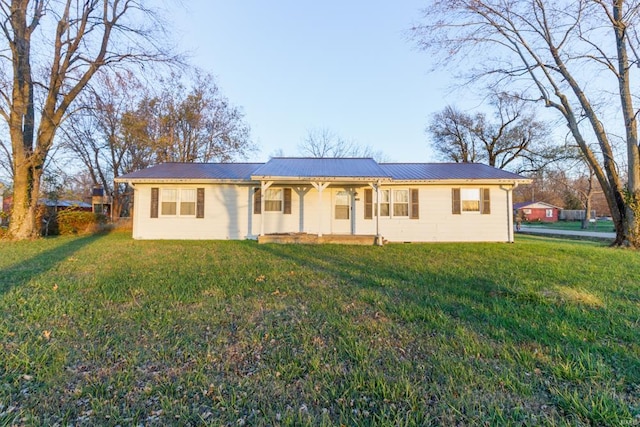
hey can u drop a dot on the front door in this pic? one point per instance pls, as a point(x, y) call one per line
point(342, 214)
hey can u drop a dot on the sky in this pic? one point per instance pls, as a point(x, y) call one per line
point(296, 65)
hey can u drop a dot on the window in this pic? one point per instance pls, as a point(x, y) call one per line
point(273, 200)
point(549, 213)
point(188, 202)
point(403, 203)
point(384, 202)
point(174, 202)
point(169, 201)
point(400, 202)
point(527, 211)
point(471, 200)
point(343, 205)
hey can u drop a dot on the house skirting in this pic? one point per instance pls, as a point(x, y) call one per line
point(306, 238)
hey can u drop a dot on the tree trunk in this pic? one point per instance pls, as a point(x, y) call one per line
point(631, 198)
point(26, 190)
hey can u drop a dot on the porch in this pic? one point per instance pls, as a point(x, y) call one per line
point(314, 239)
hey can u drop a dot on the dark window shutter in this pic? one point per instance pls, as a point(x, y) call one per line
point(486, 201)
point(415, 204)
point(154, 202)
point(368, 203)
point(257, 201)
point(287, 201)
point(455, 199)
point(200, 203)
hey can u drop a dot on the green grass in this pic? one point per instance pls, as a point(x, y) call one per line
point(105, 330)
point(598, 226)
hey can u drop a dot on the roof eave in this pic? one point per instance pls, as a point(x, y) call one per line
point(182, 181)
point(458, 181)
point(321, 178)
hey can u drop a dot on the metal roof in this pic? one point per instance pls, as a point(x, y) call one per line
point(65, 203)
point(532, 205)
point(291, 168)
point(447, 171)
point(305, 167)
point(206, 171)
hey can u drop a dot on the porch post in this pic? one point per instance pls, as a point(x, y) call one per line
point(320, 186)
point(376, 186)
point(509, 190)
point(264, 185)
point(378, 212)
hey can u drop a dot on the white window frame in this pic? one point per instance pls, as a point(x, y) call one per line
point(179, 197)
point(270, 191)
point(392, 207)
point(548, 213)
point(385, 200)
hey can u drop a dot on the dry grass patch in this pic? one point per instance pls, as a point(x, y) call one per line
point(574, 296)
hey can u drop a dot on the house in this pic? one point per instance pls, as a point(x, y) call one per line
point(397, 202)
point(537, 211)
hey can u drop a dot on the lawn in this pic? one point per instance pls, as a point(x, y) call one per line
point(598, 226)
point(105, 330)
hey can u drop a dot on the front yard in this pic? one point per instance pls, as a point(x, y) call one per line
point(104, 330)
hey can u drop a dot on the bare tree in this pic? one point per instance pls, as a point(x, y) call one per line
point(453, 137)
point(573, 56)
point(95, 134)
point(323, 142)
point(513, 138)
point(51, 51)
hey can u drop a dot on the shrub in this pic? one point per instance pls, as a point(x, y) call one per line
point(75, 221)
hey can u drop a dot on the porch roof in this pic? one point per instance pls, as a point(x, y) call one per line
point(329, 169)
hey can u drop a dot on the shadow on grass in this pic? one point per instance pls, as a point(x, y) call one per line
point(24, 271)
point(508, 315)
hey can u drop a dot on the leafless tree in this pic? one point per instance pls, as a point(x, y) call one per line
point(453, 137)
point(514, 138)
point(576, 57)
point(51, 50)
point(95, 134)
point(323, 142)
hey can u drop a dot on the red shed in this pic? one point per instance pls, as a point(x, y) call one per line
point(537, 211)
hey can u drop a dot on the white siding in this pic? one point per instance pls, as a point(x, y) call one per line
point(226, 209)
point(436, 223)
point(229, 215)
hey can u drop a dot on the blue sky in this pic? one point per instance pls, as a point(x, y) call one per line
point(294, 65)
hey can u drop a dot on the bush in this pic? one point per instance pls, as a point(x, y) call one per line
point(75, 221)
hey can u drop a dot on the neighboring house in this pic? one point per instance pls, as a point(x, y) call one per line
point(61, 205)
point(397, 202)
point(537, 211)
